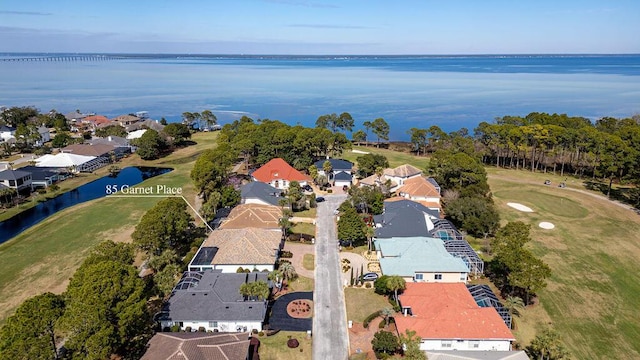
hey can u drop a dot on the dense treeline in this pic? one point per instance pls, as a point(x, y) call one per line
point(608, 149)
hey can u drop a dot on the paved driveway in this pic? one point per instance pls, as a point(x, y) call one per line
point(330, 338)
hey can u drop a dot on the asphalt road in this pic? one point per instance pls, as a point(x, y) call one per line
point(330, 337)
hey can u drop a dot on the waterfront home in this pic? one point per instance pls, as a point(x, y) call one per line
point(257, 192)
point(72, 162)
point(145, 124)
point(230, 249)
point(279, 174)
point(44, 177)
point(447, 317)
point(197, 345)
point(420, 259)
point(120, 145)
point(18, 180)
point(76, 116)
point(45, 135)
point(97, 121)
point(7, 133)
point(341, 173)
point(126, 120)
point(211, 301)
point(400, 174)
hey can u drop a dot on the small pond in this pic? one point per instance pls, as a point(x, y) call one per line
point(91, 191)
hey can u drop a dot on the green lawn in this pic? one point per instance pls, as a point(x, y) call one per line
point(45, 256)
point(309, 213)
point(304, 228)
point(395, 158)
point(275, 347)
point(308, 261)
point(362, 302)
point(592, 295)
point(301, 283)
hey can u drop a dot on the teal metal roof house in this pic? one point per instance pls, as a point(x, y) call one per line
point(420, 259)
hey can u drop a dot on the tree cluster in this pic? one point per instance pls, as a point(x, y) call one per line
point(369, 164)
point(608, 149)
point(351, 226)
point(471, 208)
point(514, 269)
point(102, 314)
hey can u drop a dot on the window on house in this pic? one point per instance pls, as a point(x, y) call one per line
point(12, 183)
point(419, 277)
point(437, 276)
point(474, 344)
point(213, 324)
point(463, 276)
point(446, 344)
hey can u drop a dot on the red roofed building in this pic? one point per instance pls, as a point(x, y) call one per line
point(446, 317)
point(279, 174)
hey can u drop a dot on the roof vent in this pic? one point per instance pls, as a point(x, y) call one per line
point(226, 307)
point(250, 307)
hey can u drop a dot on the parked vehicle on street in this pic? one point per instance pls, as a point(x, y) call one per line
point(370, 277)
point(319, 199)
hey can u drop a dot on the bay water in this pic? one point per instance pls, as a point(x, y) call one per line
point(407, 91)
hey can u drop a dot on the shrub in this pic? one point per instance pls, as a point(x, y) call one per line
point(261, 333)
point(286, 254)
point(293, 343)
point(166, 329)
point(187, 329)
point(240, 270)
point(254, 331)
point(382, 324)
point(367, 285)
point(284, 261)
point(202, 329)
point(175, 328)
point(370, 318)
point(329, 191)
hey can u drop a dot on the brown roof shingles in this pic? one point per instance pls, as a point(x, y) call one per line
point(244, 246)
point(418, 187)
point(253, 215)
point(197, 346)
point(403, 171)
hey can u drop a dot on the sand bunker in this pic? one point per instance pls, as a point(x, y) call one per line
point(520, 207)
point(546, 225)
point(359, 152)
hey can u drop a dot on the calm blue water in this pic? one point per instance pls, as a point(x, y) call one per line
point(91, 191)
point(448, 91)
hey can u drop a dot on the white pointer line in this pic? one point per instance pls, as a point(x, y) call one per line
point(164, 196)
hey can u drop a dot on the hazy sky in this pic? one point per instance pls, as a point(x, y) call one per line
point(321, 27)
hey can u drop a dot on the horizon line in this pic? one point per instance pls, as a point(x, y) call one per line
point(323, 55)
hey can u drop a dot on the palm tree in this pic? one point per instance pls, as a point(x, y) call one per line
point(370, 232)
point(514, 304)
point(288, 271)
point(395, 283)
point(276, 276)
point(387, 313)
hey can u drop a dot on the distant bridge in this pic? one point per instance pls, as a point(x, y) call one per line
point(64, 58)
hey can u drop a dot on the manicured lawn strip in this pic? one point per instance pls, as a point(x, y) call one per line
point(45, 256)
point(592, 295)
point(308, 261)
point(395, 158)
point(301, 283)
point(362, 302)
point(310, 213)
point(304, 228)
point(275, 347)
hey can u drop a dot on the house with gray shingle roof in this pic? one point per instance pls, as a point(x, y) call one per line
point(341, 171)
point(212, 300)
point(257, 192)
point(404, 218)
point(17, 179)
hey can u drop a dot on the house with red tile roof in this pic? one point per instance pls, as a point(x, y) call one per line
point(279, 174)
point(97, 121)
point(446, 317)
